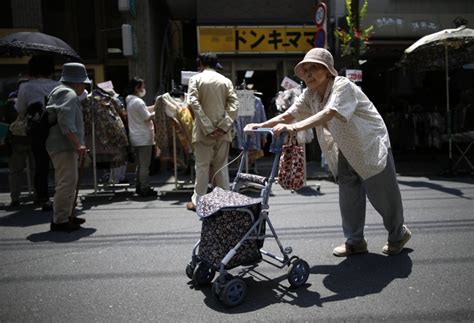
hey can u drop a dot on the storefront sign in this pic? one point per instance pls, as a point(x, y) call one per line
point(268, 39)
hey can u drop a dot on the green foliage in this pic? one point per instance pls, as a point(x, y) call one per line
point(352, 36)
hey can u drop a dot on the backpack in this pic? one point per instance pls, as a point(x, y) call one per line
point(37, 122)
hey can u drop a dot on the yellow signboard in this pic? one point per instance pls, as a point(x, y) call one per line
point(256, 39)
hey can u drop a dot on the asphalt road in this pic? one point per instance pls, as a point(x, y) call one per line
point(128, 262)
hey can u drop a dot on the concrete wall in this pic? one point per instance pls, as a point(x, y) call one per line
point(149, 27)
point(255, 12)
point(27, 14)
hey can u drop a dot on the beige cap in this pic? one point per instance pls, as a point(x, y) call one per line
point(317, 55)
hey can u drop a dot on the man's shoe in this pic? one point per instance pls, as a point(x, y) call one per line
point(348, 249)
point(394, 248)
point(190, 206)
point(64, 227)
point(76, 220)
point(149, 192)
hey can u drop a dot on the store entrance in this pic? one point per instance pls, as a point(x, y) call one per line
point(265, 82)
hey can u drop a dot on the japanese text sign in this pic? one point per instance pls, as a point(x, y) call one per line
point(354, 75)
point(256, 39)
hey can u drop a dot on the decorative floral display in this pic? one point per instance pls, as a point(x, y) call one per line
point(352, 36)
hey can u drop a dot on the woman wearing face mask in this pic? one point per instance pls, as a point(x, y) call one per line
point(141, 134)
point(354, 139)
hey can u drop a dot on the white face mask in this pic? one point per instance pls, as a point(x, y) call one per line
point(83, 95)
point(142, 93)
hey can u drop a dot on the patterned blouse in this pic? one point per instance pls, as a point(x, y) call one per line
point(358, 130)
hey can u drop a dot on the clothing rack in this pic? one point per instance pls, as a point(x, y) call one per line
point(98, 187)
point(180, 186)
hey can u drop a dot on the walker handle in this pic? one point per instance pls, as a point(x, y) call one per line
point(277, 141)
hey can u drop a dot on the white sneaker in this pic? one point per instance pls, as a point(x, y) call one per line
point(348, 249)
point(394, 248)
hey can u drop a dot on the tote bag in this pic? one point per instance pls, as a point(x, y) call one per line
point(291, 167)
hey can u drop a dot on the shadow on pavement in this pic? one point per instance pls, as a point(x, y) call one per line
point(61, 237)
point(363, 275)
point(434, 186)
point(263, 291)
point(311, 190)
point(24, 217)
point(353, 277)
point(89, 201)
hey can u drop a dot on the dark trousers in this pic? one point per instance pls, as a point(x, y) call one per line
point(42, 169)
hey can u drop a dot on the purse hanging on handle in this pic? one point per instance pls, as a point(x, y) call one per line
point(291, 167)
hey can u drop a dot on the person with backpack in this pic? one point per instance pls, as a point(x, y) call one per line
point(31, 103)
point(20, 156)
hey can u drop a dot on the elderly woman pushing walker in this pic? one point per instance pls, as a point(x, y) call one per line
point(354, 139)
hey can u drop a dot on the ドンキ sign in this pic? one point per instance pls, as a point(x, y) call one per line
point(254, 39)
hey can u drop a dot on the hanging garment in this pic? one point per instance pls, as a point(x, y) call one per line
point(110, 135)
point(163, 129)
point(241, 121)
point(171, 112)
point(284, 99)
point(178, 108)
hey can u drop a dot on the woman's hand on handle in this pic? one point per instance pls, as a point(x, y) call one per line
point(283, 127)
point(252, 126)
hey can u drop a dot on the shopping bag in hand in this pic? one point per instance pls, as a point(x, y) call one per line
point(291, 166)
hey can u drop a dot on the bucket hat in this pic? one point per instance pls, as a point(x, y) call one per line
point(316, 55)
point(74, 73)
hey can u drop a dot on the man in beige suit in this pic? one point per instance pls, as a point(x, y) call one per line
point(215, 103)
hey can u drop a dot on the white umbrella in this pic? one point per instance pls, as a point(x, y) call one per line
point(451, 48)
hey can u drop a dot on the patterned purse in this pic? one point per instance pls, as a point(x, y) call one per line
point(291, 168)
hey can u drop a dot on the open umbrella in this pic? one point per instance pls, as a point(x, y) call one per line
point(451, 48)
point(33, 43)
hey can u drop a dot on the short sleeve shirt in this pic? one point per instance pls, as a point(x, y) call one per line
point(33, 91)
point(358, 129)
point(140, 128)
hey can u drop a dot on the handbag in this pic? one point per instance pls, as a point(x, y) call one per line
point(19, 126)
point(291, 172)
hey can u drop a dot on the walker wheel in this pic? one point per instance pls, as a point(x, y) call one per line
point(219, 284)
point(234, 292)
point(298, 273)
point(203, 274)
point(190, 270)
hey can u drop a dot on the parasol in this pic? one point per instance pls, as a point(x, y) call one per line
point(34, 43)
point(449, 48)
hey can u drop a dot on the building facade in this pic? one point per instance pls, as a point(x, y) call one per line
point(264, 37)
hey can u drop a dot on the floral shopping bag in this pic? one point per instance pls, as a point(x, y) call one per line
point(291, 167)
